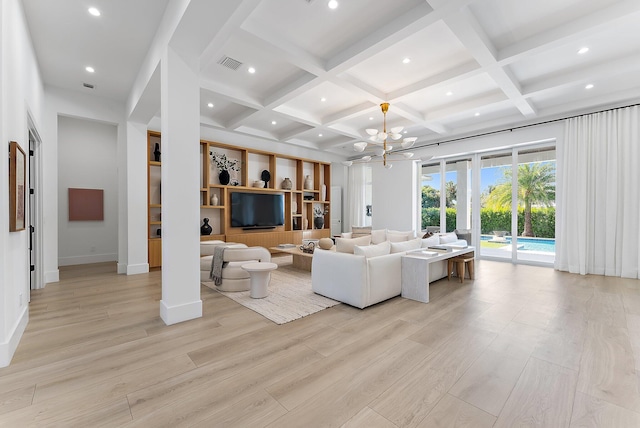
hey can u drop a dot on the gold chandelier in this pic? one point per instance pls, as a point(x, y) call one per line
point(380, 138)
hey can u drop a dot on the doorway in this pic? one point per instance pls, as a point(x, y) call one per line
point(35, 210)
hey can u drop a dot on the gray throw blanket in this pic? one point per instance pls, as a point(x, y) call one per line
point(216, 265)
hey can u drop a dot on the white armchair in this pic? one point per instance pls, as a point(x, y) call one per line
point(234, 278)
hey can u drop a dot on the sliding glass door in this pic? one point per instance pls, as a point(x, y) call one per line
point(495, 206)
point(514, 218)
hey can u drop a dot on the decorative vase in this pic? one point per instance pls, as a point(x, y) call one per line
point(224, 177)
point(286, 184)
point(318, 222)
point(205, 229)
point(323, 192)
point(308, 184)
point(306, 224)
point(214, 200)
point(156, 153)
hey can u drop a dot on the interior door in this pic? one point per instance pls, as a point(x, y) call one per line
point(336, 210)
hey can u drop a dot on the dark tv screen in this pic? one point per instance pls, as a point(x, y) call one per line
point(257, 209)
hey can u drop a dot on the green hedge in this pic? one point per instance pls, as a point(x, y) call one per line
point(543, 219)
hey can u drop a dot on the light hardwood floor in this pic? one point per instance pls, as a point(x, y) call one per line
point(519, 346)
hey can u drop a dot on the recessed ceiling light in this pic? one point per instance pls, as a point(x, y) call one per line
point(90, 69)
point(589, 86)
point(323, 99)
point(449, 93)
point(406, 60)
point(210, 105)
point(583, 50)
point(251, 70)
point(94, 11)
point(371, 118)
point(477, 114)
point(273, 122)
point(332, 4)
point(319, 135)
point(405, 131)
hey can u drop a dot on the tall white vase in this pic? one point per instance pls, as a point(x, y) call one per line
point(323, 192)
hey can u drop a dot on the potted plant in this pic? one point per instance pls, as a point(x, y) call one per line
point(318, 214)
point(224, 165)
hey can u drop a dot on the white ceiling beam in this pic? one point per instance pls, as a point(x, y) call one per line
point(227, 93)
point(350, 113)
point(623, 12)
point(468, 105)
point(291, 90)
point(231, 25)
point(453, 75)
point(418, 118)
point(582, 75)
point(470, 33)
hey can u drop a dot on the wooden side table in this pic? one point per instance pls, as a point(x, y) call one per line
point(460, 262)
point(260, 273)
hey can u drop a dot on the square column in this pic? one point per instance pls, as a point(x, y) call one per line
point(180, 127)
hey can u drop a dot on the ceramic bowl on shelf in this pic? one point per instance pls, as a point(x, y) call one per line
point(258, 183)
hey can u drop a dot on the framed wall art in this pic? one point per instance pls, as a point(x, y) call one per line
point(17, 187)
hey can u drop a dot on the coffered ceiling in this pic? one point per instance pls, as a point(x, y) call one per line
point(321, 73)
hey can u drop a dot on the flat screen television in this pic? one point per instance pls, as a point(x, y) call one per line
point(257, 210)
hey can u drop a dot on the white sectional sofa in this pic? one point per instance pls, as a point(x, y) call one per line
point(369, 273)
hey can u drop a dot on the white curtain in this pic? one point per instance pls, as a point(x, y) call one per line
point(357, 196)
point(598, 217)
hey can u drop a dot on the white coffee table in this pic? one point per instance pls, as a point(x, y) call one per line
point(260, 273)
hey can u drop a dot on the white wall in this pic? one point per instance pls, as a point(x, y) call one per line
point(87, 160)
point(21, 93)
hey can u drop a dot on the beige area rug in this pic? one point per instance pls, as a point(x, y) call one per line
point(290, 296)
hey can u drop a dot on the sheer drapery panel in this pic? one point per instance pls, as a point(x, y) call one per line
point(598, 224)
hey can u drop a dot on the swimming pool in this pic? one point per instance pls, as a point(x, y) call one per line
point(530, 244)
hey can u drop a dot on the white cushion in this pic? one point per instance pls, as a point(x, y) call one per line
point(372, 250)
point(448, 238)
point(346, 235)
point(397, 237)
point(378, 236)
point(432, 240)
point(410, 234)
point(399, 247)
point(345, 245)
point(358, 231)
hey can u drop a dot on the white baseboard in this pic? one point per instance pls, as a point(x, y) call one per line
point(8, 348)
point(83, 260)
point(52, 276)
point(137, 269)
point(185, 312)
point(122, 268)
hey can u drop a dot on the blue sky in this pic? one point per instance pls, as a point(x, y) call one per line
point(488, 176)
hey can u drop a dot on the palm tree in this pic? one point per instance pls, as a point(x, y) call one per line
point(536, 186)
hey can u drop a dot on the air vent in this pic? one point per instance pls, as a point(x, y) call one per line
point(228, 62)
point(88, 85)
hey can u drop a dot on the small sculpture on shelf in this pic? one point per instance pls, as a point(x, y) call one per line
point(156, 153)
point(205, 229)
point(265, 176)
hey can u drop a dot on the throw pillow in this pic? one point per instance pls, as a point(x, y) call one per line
point(399, 247)
point(448, 238)
point(346, 235)
point(345, 245)
point(368, 251)
point(432, 240)
point(410, 233)
point(378, 236)
point(358, 231)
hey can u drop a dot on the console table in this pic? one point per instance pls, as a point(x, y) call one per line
point(415, 270)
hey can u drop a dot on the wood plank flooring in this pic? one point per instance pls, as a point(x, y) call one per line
point(518, 346)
